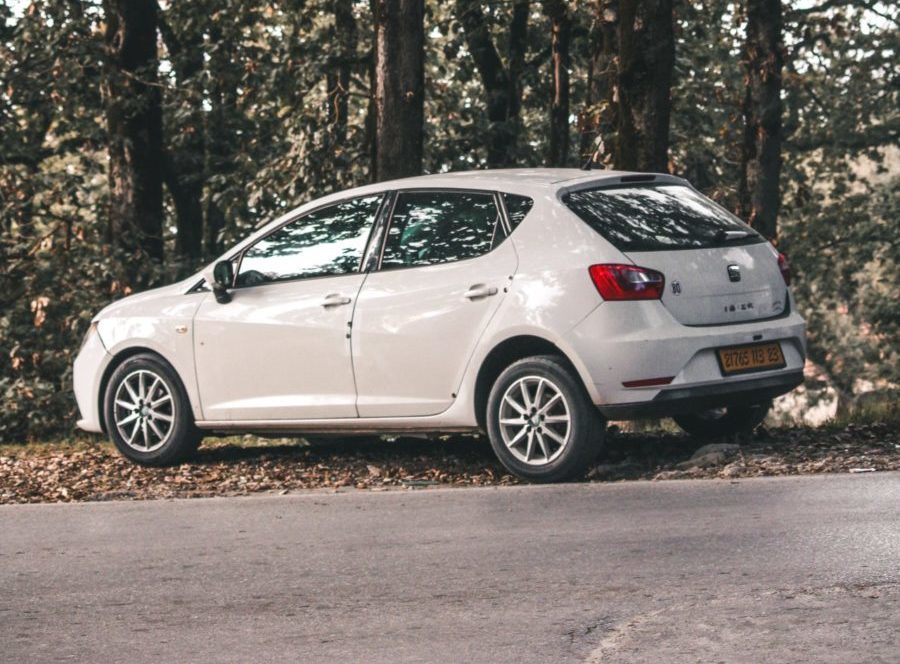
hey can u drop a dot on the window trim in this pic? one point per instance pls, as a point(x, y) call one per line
point(372, 257)
point(240, 255)
point(501, 205)
point(501, 221)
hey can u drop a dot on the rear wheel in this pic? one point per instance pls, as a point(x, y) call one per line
point(148, 415)
point(724, 421)
point(541, 422)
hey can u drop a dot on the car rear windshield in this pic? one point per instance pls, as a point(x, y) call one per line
point(654, 218)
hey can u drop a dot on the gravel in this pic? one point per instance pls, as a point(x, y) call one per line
point(85, 471)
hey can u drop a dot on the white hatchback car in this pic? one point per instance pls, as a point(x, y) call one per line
point(530, 304)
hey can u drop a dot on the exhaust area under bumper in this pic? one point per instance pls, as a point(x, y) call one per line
point(702, 397)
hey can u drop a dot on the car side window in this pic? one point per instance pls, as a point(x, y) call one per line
point(516, 208)
point(329, 241)
point(430, 227)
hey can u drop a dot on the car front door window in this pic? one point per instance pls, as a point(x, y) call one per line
point(329, 241)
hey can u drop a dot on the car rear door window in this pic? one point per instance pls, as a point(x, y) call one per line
point(329, 241)
point(430, 227)
point(516, 208)
point(653, 218)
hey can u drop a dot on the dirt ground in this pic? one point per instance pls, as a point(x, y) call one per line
point(91, 471)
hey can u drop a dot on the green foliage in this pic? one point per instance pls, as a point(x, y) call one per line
point(840, 185)
point(706, 126)
point(249, 118)
point(845, 252)
point(877, 407)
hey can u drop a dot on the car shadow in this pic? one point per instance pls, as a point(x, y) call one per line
point(644, 449)
point(470, 448)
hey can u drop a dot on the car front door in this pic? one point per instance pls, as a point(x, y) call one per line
point(280, 349)
point(443, 272)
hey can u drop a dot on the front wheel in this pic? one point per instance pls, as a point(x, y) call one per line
point(725, 421)
point(541, 422)
point(148, 415)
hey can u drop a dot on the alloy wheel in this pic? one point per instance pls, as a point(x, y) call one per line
point(535, 421)
point(144, 410)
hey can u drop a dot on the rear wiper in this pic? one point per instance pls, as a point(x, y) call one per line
point(727, 236)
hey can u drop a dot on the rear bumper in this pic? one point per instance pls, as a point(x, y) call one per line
point(702, 397)
point(620, 342)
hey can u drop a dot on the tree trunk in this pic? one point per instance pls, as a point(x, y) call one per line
point(596, 119)
point(501, 85)
point(338, 78)
point(185, 161)
point(560, 25)
point(633, 58)
point(518, 45)
point(399, 88)
point(644, 80)
point(371, 110)
point(220, 135)
point(758, 191)
point(134, 123)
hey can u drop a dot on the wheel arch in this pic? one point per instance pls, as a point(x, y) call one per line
point(504, 354)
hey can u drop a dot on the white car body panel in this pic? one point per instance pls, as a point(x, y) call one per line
point(87, 372)
point(160, 321)
point(277, 351)
point(618, 343)
point(414, 331)
point(274, 359)
point(760, 293)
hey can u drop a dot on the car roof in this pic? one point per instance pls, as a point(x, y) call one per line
point(511, 180)
point(541, 177)
point(503, 178)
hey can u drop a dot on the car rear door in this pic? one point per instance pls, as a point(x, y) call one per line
point(443, 273)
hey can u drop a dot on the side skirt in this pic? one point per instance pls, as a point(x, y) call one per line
point(356, 426)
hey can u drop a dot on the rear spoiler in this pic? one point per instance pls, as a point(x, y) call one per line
point(598, 181)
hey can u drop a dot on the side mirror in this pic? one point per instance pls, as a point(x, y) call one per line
point(223, 279)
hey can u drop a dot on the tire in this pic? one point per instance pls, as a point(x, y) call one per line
point(723, 421)
point(557, 440)
point(148, 415)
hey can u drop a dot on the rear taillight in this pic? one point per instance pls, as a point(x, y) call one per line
point(785, 266)
point(627, 282)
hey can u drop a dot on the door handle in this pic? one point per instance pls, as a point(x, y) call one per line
point(479, 291)
point(335, 300)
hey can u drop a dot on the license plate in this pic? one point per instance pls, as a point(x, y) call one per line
point(745, 359)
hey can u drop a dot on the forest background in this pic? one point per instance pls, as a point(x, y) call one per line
point(139, 138)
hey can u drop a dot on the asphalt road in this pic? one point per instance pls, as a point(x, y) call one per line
point(783, 569)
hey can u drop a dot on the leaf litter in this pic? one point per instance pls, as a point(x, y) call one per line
point(229, 467)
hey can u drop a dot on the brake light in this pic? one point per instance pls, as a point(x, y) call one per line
point(785, 266)
point(627, 282)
